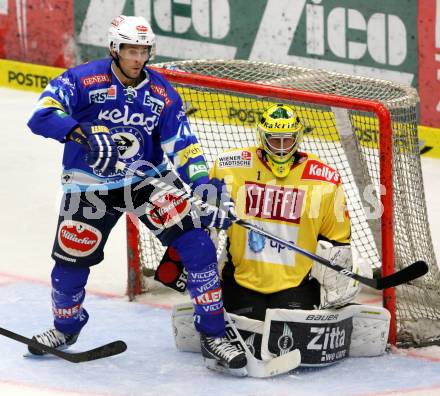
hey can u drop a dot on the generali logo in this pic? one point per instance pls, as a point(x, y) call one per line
point(96, 79)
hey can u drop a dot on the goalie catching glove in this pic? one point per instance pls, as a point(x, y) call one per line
point(337, 289)
point(102, 153)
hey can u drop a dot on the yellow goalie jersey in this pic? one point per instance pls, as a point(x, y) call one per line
point(307, 204)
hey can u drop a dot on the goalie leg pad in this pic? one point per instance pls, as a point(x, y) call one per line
point(371, 326)
point(322, 336)
point(326, 336)
point(187, 339)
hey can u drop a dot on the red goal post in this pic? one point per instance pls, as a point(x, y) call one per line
point(339, 110)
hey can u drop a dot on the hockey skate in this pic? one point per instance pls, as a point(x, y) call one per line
point(221, 355)
point(54, 339)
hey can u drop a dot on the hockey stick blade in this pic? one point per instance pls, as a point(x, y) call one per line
point(262, 368)
point(107, 350)
point(413, 271)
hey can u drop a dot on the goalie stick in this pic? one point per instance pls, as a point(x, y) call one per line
point(407, 274)
point(107, 350)
point(262, 368)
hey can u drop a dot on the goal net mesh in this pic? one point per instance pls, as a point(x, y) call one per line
point(344, 138)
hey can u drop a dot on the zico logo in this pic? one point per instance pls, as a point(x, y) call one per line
point(338, 34)
point(316, 170)
point(338, 31)
point(274, 202)
point(338, 24)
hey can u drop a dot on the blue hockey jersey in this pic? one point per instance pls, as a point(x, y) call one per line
point(147, 123)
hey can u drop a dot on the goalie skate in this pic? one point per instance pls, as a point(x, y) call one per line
point(221, 355)
point(54, 339)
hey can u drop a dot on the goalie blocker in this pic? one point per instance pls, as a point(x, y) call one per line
point(323, 337)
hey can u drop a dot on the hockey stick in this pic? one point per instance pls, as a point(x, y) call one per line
point(262, 368)
point(407, 274)
point(107, 350)
point(187, 339)
point(413, 271)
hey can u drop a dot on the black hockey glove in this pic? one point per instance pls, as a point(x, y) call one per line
point(102, 152)
point(221, 210)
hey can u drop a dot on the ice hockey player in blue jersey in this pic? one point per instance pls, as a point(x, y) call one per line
point(117, 111)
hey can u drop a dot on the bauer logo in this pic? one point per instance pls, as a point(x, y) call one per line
point(316, 170)
point(239, 159)
point(78, 239)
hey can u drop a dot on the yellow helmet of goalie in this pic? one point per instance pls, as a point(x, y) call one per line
point(279, 133)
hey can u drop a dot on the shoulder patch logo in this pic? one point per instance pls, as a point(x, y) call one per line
point(237, 159)
point(316, 170)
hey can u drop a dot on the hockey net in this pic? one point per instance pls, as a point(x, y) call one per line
point(363, 127)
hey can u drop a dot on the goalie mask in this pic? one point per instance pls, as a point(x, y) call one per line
point(131, 30)
point(279, 134)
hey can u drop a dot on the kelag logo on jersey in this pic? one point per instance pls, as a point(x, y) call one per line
point(116, 116)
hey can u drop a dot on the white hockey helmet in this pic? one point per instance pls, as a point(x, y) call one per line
point(131, 30)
